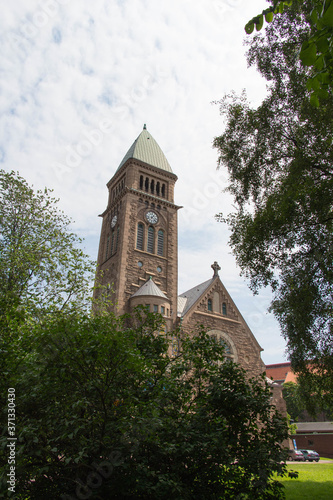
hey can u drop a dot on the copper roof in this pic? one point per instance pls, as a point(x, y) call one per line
point(146, 149)
point(150, 289)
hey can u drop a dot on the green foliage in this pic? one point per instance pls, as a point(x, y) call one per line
point(316, 51)
point(106, 412)
point(316, 386)
point(293, 399)
point(268, 14)
point(42, 267)
point(279, 157)
point(312, 392)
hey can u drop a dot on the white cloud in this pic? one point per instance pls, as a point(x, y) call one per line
point(69, 65)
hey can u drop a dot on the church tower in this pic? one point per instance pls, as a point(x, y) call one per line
point(137, 258)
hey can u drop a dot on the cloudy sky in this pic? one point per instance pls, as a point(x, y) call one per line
point(78, 81)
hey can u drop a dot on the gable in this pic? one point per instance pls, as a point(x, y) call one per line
point(210, 297)
point(211, 304)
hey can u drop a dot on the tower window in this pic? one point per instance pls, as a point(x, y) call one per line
point(152, 187)
point(163, 190)
point(147, 184)
point(160, 242)
point(117, 239)
point(224, 308)
point(139, 237)
point(209, 305)
point(107, 248)
point(155, 308)
point(112, 242)
point(141, 181)
point(150, 240)
point(158, 188)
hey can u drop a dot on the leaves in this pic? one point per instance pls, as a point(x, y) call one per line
point(279, 157)
point(42, 267)
point(327, 16)
point(111, 408)
point(308, 54)
point(316, 51)
point(258, 21)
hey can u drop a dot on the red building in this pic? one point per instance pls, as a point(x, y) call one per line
point(317, 436)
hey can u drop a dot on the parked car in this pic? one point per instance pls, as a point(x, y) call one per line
point(310, 455)
point(295, 455)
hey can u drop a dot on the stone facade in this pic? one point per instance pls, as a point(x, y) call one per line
point(216, 311)
point(124, 265)
point(139, 243)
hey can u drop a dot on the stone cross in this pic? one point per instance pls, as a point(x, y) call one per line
point(216, 269)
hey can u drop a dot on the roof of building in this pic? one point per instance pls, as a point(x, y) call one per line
point(150, 288)
point(291, 377)
point(279, 372)
point(146, 149)
point(187, 299)
point(314, 427)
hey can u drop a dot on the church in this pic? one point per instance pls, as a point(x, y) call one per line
point(138, 257)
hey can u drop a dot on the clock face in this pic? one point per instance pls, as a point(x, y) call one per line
point(114, 221)
point(151, 217)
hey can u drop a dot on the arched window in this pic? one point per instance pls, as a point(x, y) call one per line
point(163, 190)
point(117, 238)
point(152, 187)
point(141, 181)
point(160, 242)
point(224, 308)
point(112, 242)
point(224, 340)
point(139, 237)
point(209, 305)
point(150, 240)
point(158, 188)
point(107, 248)
point(227, 348)
point(147, 184)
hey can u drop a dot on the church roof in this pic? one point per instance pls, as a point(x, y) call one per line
point(150, 288)
point(187, 299)
point(146, 149)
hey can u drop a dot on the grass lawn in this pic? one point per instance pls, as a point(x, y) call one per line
point(314, 482)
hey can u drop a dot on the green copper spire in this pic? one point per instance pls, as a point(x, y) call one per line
point(146, 149)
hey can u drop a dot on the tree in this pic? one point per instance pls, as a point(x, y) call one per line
point(42, 267)
point(316, 50)
point(279, 157)
point(105, 411)
point(293, 399)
